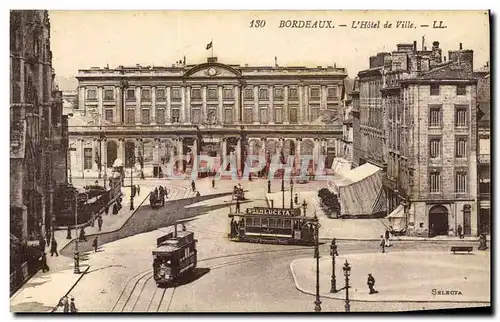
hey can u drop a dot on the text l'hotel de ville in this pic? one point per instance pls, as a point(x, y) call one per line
point(354, 24)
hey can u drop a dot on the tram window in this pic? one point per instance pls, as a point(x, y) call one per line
point(264, 222)
point(256, 221)
point(287, 223)
point(279, 223)
point(272, 222)
point(249, 221)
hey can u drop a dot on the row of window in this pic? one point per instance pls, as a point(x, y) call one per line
point(436, 89)
point(212, 93)
point(435, 147)
point(212, 115)
point(436, 116)
point(268, 222)
point(435, 182)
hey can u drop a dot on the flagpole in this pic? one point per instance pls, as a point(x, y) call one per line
point(212, 42)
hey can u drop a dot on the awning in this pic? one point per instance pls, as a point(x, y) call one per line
point(340, 166)
point(360, 191)
point(399, 212)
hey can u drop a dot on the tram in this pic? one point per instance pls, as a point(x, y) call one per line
point(271, 226)
point(175, 256)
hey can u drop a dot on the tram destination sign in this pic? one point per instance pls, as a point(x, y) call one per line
point(274, 211)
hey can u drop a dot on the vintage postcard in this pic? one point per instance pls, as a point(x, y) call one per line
point(249, 161)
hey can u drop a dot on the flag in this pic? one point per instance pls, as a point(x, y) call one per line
point(209, 45)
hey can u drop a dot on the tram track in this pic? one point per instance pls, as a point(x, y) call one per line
point(131, 294)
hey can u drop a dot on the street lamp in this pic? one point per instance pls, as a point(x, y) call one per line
point(304, 206)
point(291, 193)
point(131, 161)
point(76, 256)
point(283, 190)
point(347, 272)
point(333, 252)
point(315, 225)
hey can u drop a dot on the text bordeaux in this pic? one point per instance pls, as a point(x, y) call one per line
point(320, 24)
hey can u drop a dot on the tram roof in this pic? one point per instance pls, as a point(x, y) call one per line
point(166, 248)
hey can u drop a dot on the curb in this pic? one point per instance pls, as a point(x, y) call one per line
point(335, 297)
point(111, 231)
point(72, 287)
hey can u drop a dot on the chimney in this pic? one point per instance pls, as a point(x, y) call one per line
point(275, 61)
point(175, 230)
point(415, 46)
point(460, 46)
point(334, 65)
point(425, 48)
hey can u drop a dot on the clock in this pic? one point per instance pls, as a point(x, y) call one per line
point(212, 71)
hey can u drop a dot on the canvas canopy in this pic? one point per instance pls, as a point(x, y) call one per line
point(397, 218)
point(340, 166)
point(360, 191)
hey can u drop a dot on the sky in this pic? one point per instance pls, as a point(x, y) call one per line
point(83, 39)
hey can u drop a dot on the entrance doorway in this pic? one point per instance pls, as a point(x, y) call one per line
point(438, 221)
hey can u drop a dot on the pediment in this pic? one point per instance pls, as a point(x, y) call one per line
point(212, 70)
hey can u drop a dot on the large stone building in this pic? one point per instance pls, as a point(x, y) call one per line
point(484, 144)
point(418, 123)
point(144, 116)
point(37, 139)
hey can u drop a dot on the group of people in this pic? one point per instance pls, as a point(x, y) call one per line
point(51, 241)
point(385, 240)
point(67, 305)
point(159, 194)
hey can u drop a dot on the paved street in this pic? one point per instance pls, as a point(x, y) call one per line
point(231, 277)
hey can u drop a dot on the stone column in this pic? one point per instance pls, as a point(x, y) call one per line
point(224, 151)
point(256, 119)
point(188, 105)
point(95, 148)
point(195, 155)
point(100, 107)
point(121, 150)
point(171, 152)
point(270, 108)
point(82, 156)
point(117, 115)
point(204, 112)
point(237, 105)
point(104, 155)
point(221, 105)
point(168, 107)
point(138, 105)
point(153, 105)
point(286, 113)
point(324, 95)
point(156, 150)
point(301, 104)
point(182, 112)
point(305, 117)
point(238, 154)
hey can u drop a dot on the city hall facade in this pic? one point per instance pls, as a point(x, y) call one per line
point(145, 116)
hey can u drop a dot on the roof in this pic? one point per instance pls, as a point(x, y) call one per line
point(166, 248)
point(449, 71)
point(327, 117)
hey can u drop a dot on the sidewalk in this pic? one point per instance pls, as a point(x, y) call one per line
point(409, 276)
point(43, 291)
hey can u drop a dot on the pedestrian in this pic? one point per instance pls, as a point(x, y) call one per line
point(115, 209)
point(94, 244)
point(482, 242)
point(68, 233)
point(459, 229)
point(99, 222)
point(213, 183)
point(387, 236)
point(296, 199)
point(47, 237)
point(138, 190)
point(193, 186)
point(53, 248)
point(237, 206)
point(106, 210)
point(183, 227)
point(43, 263)
point(133, 190)
point(72, 306)
point(64, 303)
point(42, 244)
point(269, 186)
point(371, 284)
point(92, 219)
point(198, 194)
point(82, 234)
point(382, 243)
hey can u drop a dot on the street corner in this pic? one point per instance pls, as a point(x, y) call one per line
point(413, 276)
point(43, 292)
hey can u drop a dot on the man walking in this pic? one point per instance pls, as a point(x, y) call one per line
point(47, 236)
point(237, 206)
point(53, 248)
point(99, 222)
point(371, 284)
point(138, 190)
point(43, 263)
point(387, 236)
point(94, 244)
point(459, 229)
point(213, 183)
point(72, 306)
point(382, 243)
point(42, 244)
point(193, 186)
